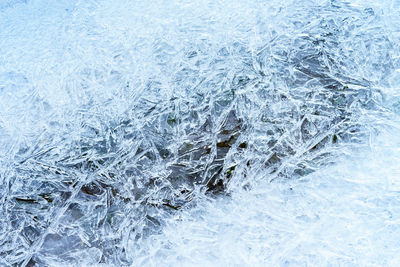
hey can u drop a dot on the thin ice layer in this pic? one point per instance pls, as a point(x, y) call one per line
point(112, 124)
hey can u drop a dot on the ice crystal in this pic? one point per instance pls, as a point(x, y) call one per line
point(119, 117)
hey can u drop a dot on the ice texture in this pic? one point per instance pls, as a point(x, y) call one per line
point(343, 215)
point(199, 133)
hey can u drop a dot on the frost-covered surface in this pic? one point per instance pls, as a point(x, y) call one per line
point(205, 133)
point(344, 215)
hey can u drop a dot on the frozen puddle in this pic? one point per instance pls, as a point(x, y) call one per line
point(344, 215)
point(199, 133)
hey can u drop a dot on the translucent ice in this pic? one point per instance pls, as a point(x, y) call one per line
point(343, 215)
point(206, 132)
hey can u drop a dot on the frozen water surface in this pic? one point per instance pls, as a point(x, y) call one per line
point(199, 133)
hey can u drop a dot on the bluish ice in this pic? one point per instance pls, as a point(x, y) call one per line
point(199, 133)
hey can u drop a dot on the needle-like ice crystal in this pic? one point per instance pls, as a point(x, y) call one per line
point(128, 126)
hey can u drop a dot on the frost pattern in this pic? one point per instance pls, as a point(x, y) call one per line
point(114, 126)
